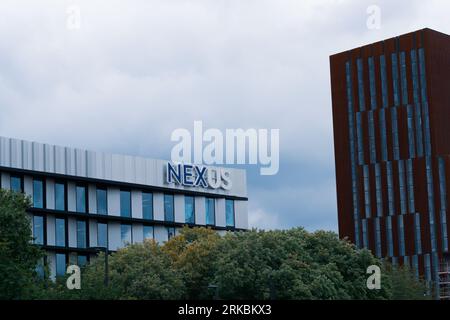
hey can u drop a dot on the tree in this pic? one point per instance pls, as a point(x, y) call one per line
point(18, 256)
point(193, 253)
point(405, 285)
point(293, 264)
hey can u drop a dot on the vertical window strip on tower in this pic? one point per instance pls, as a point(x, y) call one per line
point(365, 235)
point(359, 136)
point(410, 182)
point(404, 80)
point(417, 235)
point(402, 186)
point(390, 240)
point(362, 102)
point(379, 191)
point(383, 135)
point(395, 84)
point(419, 135)
point(411, 139)
point(401, 235)
point(352, 153)
point(384, 89)
point(372, 86)
point(423, 82)
point(395, 143)
point(443, 199)
point(415, 76)
point(390, 185)
point(378, 237)
point(366, 178)
point(373, 151)
point(431, 210)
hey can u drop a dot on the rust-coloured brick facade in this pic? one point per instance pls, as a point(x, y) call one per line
point(391, 116)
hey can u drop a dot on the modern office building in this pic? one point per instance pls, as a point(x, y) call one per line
point(84, 200)
point(391, 113)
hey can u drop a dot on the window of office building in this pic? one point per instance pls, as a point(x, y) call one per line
point(60, 264)
point(38, 229)
point(170, 233)
point(210, 211)
point(81, 234)
point(40, 268)
point(147, 205)
point(372, 84)
point(38, 193)
point(384, 82)
point(403, 79)
point(60, 232)
point(395, 78)
point(168, 207)
point(148, 232)
point(125, 234)
point(81, 198)
point(125, 203)
point(359, 67)
point(229, 212)
point(81, 260)
point(16, 184)
point(102, 235)
point(102, 201)
point(60, 198)
point(189, 209)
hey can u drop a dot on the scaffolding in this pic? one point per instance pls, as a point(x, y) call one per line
point(444, 281)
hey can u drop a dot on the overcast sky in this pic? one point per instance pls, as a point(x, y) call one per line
point(136, 70)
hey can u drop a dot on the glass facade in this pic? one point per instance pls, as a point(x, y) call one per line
point(443, 202)
point(81, 234)
point(210, 211)
point(147, 205)
point(38, 193)
point(362, 102)
point(81, 199)
point(168, 208)
point(60, 264)
point(102, 201)
point(125, 203)
point(102, 235)
point(38, 229)
point(395, 79)
point(16, 184)
point(170, 233)
point(125, 234)
point(60, 232)
point(189, 209)
point(60, 196)
point(229, 212)
point(372, 84)
point(148, 232)
point(81, 260)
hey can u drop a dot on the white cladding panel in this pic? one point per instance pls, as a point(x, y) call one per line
point(158, 206)
point(114, 235)
point(51, 230)
point(50, 193)
point(6, 182)
point(241, 214)
point(161, 234)
point(72, 226)
point(113, 199)
point(179, 208)
point(136, 204)
point(200, 211)
point(220, 212)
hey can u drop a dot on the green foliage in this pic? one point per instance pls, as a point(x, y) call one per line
point(18, 257)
